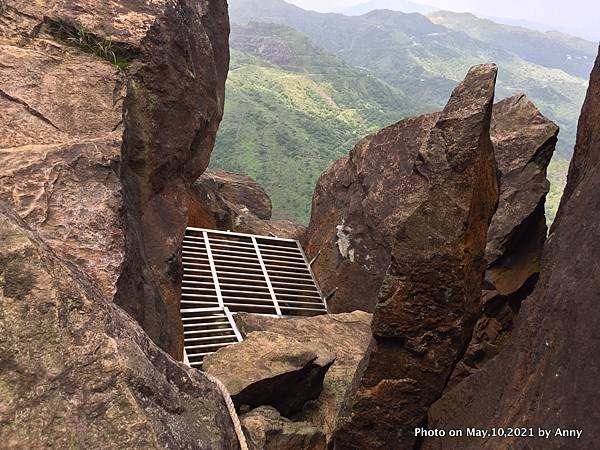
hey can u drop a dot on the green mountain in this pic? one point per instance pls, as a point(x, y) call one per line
point(291, 109)
point(550, 49)
point(304, 86)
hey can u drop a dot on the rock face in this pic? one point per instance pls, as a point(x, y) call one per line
point(361, 199)
point(112, 110)
point(172, 111)
point(524, 142)
point(265, 429)
point(345, 336)
point(59, 153)
point(429, 299)
point(548, 375)
point(356, 207)
point(240, 190)
point(228, 201)
point(78, 372)
point(270, 369)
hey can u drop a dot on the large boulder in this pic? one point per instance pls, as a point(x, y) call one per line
point(238, 189)
point(233, 202)
point(78, 372)
point(548, 377)
point(360, 201)
point(266, 429)
point(269, 369)
point(113, 109)
point(356, 207)
point(524, 142)
point(430, 296)
point(345, 336)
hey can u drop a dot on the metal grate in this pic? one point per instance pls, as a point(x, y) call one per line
point(206, 330)
point(237, 272)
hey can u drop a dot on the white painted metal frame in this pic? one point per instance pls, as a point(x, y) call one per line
point(259, 274)
point(206, 330)
point(266, 275)
point(213, 270)
point(226, 273)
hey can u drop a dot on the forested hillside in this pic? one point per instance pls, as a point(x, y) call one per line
point(305, 86)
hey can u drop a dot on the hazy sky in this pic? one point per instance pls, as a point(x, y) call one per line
point(573, 15)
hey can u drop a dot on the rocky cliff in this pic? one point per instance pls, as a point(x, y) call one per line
point(361, 199)
point(524, 142)
point(78, 372)
point(109, 114)
point(113, 110)
point(429, 299)
point(229, 201)
point(548, 376)
point(436, 224)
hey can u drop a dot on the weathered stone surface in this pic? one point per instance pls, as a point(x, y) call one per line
point(77, 372)
point(270, 369)
point(361, 199)
point(524, 141)
point(172, 111)
point(345, 336)
point(238, 189)
point(429, 299)
point(265, 429)
point(61, 114)
point(549, 374)
point(112, 110)
point(126, 21)
point(228, 201)
point(356, 207)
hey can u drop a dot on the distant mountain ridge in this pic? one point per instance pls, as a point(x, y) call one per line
point(394, 5)
point(551, 49)
point(304, 86)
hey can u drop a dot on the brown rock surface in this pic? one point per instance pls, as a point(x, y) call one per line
point(524, 141)
point(112, 110)
point(548, 375)
point(172, 111)
point(238, 189)
point(345, 336)
point(77, 372)
point(228, 201)
point(429, 300)
point(265, 429)
point(361, 199)
point(59, 154)
point(270, 369)
point(356, 207)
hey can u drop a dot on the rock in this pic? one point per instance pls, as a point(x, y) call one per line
point(265, 429)
point(356, 207)
point(240, 190)
point(78, 372)
point(548, 376)
point(113, 109)
point(228, 201)
point(172, 111)
point(59, 155)
point(524, 141)
point(429, 299)
point(270, 369)
point(345, 336)
point(361, 199)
